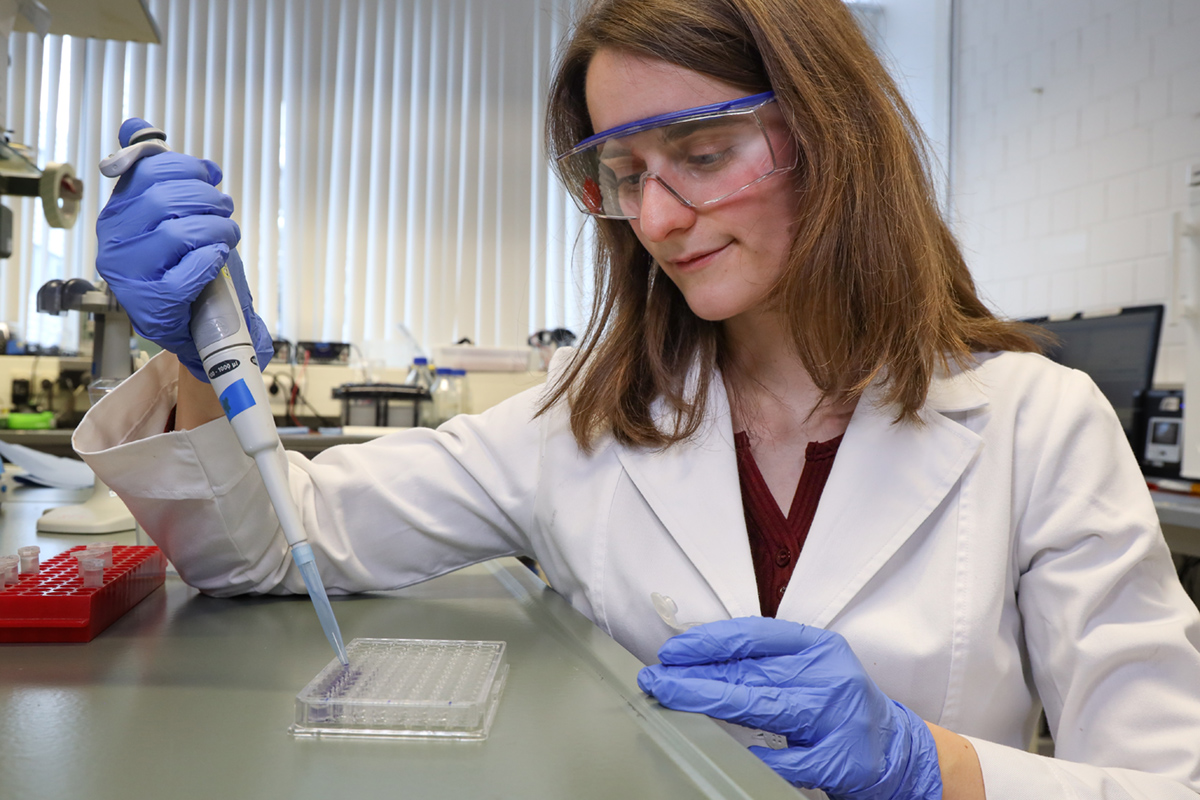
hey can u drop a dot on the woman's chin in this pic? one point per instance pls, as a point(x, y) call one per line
point(711, 312)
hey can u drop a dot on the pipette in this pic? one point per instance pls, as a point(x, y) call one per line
point(222, 338)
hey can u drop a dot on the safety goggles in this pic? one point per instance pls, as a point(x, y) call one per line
point(700, 155)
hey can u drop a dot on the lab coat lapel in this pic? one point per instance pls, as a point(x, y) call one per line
point(693, 489)
point(886, 480)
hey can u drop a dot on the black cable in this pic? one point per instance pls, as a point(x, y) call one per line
point(289, 398)
point(297, 396)
point(33, 384)
point(291, 402)
point(324, 421)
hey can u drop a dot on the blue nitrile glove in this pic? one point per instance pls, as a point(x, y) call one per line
point(845, 735)
point(163, 236)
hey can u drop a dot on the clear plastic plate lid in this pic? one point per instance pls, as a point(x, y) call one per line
point(406, 688)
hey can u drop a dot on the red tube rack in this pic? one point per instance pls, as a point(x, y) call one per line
point(54, 605)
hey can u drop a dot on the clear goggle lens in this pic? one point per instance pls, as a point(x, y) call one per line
point(700, 156)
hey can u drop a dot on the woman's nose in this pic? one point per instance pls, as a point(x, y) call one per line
point(662, 213)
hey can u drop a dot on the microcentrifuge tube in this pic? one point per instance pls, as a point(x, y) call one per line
point(104, 550)
point(9, 565)
point(80, 555)
point(29, 559)
point(92, 569)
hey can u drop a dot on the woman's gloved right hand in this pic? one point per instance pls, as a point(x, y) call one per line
point(844, 734)
point(163, 236)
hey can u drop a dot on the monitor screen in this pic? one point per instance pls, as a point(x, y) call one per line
point(1165, 432)
point(1117, 350)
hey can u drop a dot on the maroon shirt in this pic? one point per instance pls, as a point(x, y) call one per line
point(776, 540)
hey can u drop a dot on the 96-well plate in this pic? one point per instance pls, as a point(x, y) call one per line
point(406, 688)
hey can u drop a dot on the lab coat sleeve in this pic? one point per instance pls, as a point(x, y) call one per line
point(1112, 638)
point(388, 513)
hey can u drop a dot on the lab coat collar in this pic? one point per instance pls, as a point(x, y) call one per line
point(693, 489)
point(886, 480)
point(953, 390)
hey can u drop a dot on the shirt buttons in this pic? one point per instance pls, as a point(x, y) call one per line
point(783, 557)
point(782, 589)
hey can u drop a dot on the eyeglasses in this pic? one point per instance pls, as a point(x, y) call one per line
point(700, 155)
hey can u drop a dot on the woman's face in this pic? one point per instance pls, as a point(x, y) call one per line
point(724, 257)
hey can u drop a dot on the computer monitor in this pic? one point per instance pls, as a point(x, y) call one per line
point(1118, 350)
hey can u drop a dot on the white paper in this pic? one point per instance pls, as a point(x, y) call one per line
point(56, 471)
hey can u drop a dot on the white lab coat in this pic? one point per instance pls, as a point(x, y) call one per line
point(1003, 551)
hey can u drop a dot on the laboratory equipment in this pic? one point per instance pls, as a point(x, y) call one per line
point(112, 362)
point(447, 398)
point(420, 374)
point(406, 688)
point(484, 359)
point(56, 185)
point(226, 350)
point(1185, 270)
point(322, 352)
point(29, 559)
point(1117, 349)
point(9, 570)
point(382, 405)
point(91, 570)
point(103, 550)
point(546, 342)
point(54, 605)
point(1158, 425)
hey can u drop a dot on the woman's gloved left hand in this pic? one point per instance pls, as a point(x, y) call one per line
point(845, 735)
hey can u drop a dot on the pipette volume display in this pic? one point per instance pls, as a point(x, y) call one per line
point(226, 350)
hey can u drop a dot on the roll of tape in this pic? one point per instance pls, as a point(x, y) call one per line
point(61, 192)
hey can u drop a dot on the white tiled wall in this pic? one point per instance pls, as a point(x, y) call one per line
point(1074, 123)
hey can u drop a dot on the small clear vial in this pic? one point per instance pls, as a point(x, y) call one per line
point(91, 567)
point(104, 550)
point(9, 566)
point(29, 559)
point(80, 555)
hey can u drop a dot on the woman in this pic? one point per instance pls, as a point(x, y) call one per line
point(783, 318)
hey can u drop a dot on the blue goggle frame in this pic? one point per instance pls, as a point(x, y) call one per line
point(649, 123)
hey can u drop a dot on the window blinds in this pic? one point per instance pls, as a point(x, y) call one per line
point(385, 158)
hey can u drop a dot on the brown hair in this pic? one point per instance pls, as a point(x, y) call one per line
point(875, 286)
